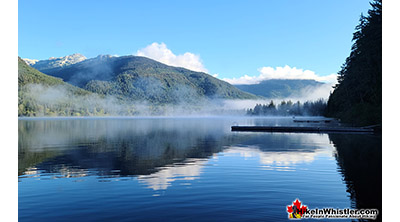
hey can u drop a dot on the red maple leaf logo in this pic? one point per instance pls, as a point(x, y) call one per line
point(297, 203)
point(296, 210)
point(289, 209)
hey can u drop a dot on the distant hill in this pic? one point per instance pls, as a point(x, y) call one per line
point(140, 78)
point(279, 88)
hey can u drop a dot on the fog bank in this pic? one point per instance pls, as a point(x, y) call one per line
point(60, 100)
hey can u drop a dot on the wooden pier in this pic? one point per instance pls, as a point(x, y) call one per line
point(306, 129)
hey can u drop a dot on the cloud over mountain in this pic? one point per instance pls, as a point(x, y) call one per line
point(161, 53)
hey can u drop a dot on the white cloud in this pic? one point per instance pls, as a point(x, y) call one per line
point(161, 53)
point(281, 73)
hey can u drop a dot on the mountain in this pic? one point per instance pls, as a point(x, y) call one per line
point(279, 88)
point(28, 75)
point(53, 62)
point(42, 95)
point(30, 62)
point(138, 78)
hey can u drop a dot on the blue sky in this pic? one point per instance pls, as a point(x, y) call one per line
point(229, 38)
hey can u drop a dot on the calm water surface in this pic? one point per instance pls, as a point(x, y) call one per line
point(188, 169)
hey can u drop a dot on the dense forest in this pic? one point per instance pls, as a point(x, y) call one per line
point(357, 97)
point(285, 108)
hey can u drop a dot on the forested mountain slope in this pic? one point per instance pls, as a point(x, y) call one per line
point(140, 78)
point(357, 97)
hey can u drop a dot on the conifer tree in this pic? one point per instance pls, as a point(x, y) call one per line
point(357, 97)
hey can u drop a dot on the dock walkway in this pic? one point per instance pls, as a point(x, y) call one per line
point(321, 129)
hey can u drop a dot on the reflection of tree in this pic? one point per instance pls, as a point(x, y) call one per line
point(360, 160)
point(127, 150)
point(139, 147)
point(27, 159)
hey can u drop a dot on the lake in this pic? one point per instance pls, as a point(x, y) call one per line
point(188, 169)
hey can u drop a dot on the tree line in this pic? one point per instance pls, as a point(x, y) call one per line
point(357, 97)
point(288, 108)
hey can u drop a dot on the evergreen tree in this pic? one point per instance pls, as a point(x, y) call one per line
point(357, 97)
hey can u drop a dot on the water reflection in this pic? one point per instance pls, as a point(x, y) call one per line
point(132, 147)
point(360, 160)
point(155, 150)
point(158, 153)
point(279, 160)
point(162, 179)
point(281, 151)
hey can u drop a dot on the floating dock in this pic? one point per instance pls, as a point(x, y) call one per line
point(312, 121)
point(322, 129)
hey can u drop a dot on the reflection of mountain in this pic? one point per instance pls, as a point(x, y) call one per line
point(124, 147)
point(360, 160)
point(158, 151)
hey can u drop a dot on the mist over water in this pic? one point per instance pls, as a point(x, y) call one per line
point(131, 94)
point(188, 168)
point(186, 101)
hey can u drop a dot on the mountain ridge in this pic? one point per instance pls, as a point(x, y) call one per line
point(279, 88)
point(141, 78)
point(55, 62)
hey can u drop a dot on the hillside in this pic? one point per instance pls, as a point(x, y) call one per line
point(43, 95)
point(138, 78)
point(357, 97)
point(279, 88)
point(28, 75)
